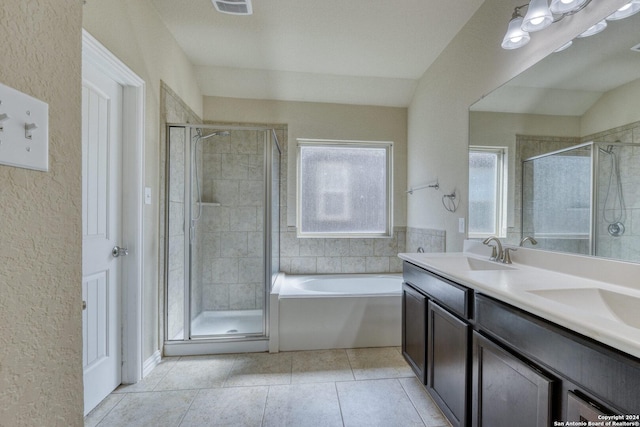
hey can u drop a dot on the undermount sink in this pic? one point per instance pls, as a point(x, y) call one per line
point(465, 263)
point(611, 305)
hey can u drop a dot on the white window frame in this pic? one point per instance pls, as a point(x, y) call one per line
point(501, 189)
point(388, 145)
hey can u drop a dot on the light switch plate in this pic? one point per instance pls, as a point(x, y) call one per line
point(461, 225)
point(24, 138)
point(147, 195)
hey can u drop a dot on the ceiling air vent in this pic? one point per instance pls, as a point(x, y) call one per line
point(233, 7)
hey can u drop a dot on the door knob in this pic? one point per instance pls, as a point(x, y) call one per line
point(118, 251)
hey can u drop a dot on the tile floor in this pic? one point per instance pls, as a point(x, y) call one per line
point(323, 388)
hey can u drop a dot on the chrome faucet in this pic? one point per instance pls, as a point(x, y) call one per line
point(529, 238)
point(496, 253)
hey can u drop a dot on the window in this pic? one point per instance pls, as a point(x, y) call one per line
point(344, 188)
point(487, 192)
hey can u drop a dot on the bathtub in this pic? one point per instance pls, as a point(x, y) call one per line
point(315, 312)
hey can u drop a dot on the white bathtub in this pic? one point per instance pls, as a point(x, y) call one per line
point(336, 311)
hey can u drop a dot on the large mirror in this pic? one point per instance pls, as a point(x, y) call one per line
point(555, 152)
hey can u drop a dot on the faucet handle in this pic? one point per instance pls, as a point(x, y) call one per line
point(506, 255)
point(494, 252)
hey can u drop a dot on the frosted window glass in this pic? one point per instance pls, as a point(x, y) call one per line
point(343, 190)
point(561, 195)
point(483, 192)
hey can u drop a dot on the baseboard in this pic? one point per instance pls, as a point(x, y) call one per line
point(151, 363)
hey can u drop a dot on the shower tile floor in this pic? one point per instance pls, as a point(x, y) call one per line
point(321, 388)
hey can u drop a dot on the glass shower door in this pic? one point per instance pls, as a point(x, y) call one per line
point(222, 231)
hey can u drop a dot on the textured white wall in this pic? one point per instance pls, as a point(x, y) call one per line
point(617, 107)
point(472, 65)
point(40, 224)
point(133, 31)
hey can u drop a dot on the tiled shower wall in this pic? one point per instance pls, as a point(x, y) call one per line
point(627, 246)
point(230, 231)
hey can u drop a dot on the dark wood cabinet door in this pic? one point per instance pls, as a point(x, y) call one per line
point(414, 329)
point(507, 391)
point(448, 363)
point(579, 409)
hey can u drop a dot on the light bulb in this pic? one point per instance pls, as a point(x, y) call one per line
point(515, 36)
point(538, 16)
point(625, 11)
point(560, 7)
point(594, 29)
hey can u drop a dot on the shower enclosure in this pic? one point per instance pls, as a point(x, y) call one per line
point(222, 228)
point(582, 199)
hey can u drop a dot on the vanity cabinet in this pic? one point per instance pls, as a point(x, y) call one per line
point(489, 364)
point(506, 390)
point(436, 315)
point(448, 362)
point(414, 329)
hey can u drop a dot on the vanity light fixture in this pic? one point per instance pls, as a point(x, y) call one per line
point(516, 37)
point(565, 46)
point(594, 29)
point(625, 11)
point(540, 15)
point(560, 7)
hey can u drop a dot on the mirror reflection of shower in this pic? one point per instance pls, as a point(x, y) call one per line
point(199, 137)
point(614, 209)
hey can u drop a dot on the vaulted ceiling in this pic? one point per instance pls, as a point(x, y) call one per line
point(369, 52)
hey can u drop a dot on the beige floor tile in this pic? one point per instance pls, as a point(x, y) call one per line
point(320, 366)
point(98, 413)
point(196, 372)
point(426, 407)
point(150, 409)
point(254, 369)
point(237, 406)
point(374, 363)
point(150, 382)
point(301, 405)
point(372, 403)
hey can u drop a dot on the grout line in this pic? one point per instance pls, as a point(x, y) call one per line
point(190, 405)
point(335, 385)
point(266, 402)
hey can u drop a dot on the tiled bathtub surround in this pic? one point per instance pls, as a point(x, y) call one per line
point(430, 240)
point(322, 256)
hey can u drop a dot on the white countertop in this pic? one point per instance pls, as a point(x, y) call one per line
point(605, 311)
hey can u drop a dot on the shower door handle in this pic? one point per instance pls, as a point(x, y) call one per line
point(118, 251)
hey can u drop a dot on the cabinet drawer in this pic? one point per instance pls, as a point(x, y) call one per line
point(456, 298)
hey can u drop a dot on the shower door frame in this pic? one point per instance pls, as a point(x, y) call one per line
point(223, 343)
point(592, 189)
point(594, 214)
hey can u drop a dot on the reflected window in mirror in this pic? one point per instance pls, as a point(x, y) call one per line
point(487, 191)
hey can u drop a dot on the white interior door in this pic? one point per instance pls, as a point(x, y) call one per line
point(102, 231)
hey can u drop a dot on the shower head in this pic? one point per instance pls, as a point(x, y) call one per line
point(609, 149)
point(216, 133)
